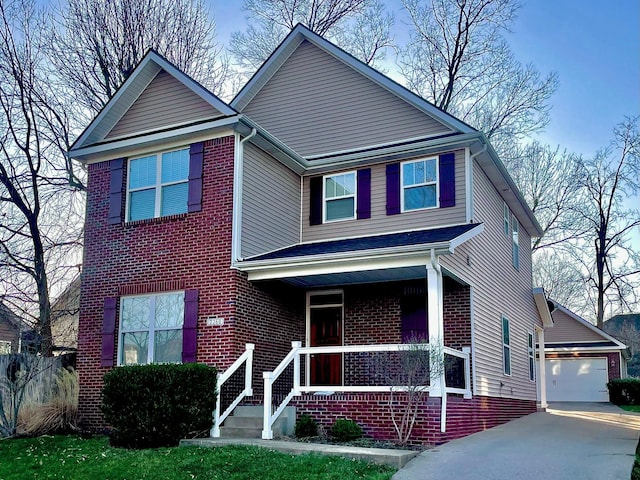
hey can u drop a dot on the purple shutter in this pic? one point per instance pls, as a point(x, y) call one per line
point(196, 158)
point(190, 326)
point(447, 171)
point(393, 189)
point(364, 193)
point(315, 201)
point(116, 190)
point(108, 331)
point(413, 319)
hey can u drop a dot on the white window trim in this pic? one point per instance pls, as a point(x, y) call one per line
point(151, 344)
point(515, 242)
point(531, 356)
point(340, 197)
point(157, 186)
point(506, 345)
point(403, 187)
point(506, 219)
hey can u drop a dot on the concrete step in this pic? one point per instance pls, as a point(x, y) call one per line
point(243, 422)
point(247, 422)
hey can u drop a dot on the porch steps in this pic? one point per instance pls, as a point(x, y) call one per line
point(247, 422)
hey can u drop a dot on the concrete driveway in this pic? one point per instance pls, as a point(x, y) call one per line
point(570, 441)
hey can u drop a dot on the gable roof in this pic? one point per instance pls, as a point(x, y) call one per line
point(301, 33)
point(144, 73)
point(7, 314)
point(607, 340)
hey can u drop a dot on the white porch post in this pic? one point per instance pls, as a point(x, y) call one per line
point(435, 321)
point(542, 370)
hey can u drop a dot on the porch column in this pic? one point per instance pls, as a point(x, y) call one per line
point(542, 370)
point(435, 322)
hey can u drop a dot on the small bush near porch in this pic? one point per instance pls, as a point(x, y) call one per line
point(74, 458)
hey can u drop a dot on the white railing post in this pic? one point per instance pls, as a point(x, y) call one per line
point(296, 368)
point(467, 371)
point(215, 431)
point(248, 373)
point(267, 432)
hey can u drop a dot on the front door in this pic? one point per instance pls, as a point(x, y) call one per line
point(325, 310)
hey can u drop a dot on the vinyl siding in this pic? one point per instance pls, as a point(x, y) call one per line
point(567, 329)
point(316, 105)
point(380, 222)
point(165, 102)
point(498, 290)
point(270, 204)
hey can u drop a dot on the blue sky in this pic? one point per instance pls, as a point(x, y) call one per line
point(593, 45)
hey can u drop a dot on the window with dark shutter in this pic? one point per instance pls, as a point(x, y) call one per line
point(196, 159)
point(116, 190)
point(393, 189)
point(364, 194)
point(108, 331)
point(189, 329)
point(447, 172)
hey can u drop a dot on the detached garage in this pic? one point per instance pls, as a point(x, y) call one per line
point(580, 359)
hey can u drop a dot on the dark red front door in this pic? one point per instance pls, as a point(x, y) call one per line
point(325, 323)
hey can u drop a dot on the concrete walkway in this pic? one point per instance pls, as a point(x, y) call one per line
point(586, 441)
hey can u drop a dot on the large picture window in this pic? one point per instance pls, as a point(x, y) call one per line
point(506, 346)
point(340, 197)
point(158, 185)
point(151, 329)
point(419, 184)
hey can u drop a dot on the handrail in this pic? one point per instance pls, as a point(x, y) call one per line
point(247, 359)
point(297, 351)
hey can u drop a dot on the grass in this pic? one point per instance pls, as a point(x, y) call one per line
point(75, 458)
point(630, 408)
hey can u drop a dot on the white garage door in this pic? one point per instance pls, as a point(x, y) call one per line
point(577, 380)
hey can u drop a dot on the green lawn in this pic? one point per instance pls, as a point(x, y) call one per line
point(630, 408)
point(69, 457)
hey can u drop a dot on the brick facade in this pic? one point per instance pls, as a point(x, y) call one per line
point(613, 360)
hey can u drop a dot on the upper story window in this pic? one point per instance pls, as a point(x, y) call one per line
point(151, 329)
point(506, 346)
point(340, 197)
point(158, 185)
point(506, 215)
point(532, 356)
point(419, 184)
point(515, 249)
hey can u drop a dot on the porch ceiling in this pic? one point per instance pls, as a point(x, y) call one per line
point(351, 278)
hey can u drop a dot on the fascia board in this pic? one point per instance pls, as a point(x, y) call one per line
point(540, 299)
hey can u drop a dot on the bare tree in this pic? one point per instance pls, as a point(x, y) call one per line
point(458, 59)
point(558, 270)
point(361, 27)
point(609, 179)
point(95, 45)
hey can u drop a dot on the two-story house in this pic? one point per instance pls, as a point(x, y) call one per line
point(325, 205)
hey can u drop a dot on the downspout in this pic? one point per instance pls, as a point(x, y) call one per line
point(237, 198)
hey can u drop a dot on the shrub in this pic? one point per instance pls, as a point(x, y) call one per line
point(346, 430)
point(306, 427)
point(156, 405)
point(624, 391)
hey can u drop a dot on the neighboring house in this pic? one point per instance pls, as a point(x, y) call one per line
point(10, 326)
point(326, 205)
point(626, 328)
point(580, 359)
point(65, 311)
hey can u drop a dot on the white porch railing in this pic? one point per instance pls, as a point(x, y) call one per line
point(247, 359)
point(296, 353)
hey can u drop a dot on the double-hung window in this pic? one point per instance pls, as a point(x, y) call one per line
point(515, 249)
point(151, 329)
point(506, 346)
point(340, 197)
point(532, 356)
point(506, 215)
point(419, 184)
point(158, 185)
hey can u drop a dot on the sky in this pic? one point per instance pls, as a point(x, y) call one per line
point(593, 45)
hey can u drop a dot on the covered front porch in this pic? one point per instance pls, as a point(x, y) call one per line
point(369, 305)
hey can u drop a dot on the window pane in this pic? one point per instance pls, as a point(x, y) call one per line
point(174, 199)
point(430, 171)
point(505, 331)
point(135, 348)
point(142, 204)
point(419, 197)
point(408, 175)
point(169, 310)
point(337, 209)
point(142, 172)
point(340, 185)
point(135, 313)
point(168, 346)
point(507, 360)
point(175, 166)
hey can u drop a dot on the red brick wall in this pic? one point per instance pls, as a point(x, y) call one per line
point(456, 314)
point(613, 360)
point(371, 411)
